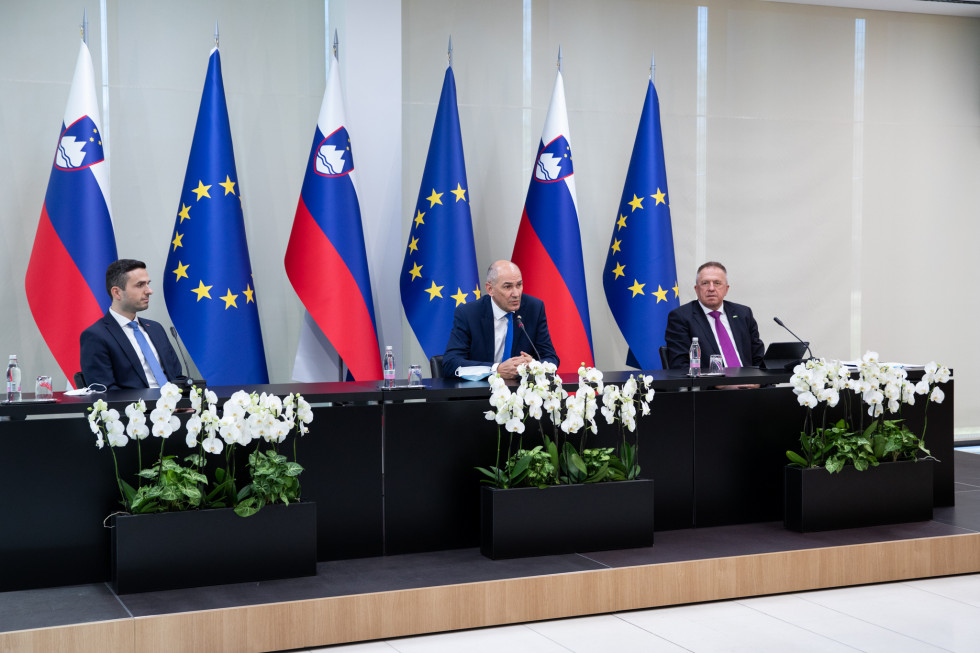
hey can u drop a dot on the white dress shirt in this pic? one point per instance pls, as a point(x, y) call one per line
point(499, 334)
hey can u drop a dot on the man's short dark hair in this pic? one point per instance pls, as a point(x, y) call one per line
point(115, 274)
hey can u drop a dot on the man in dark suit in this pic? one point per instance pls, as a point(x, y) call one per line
point(721, 327)
point(120, 351)
point(480, 329)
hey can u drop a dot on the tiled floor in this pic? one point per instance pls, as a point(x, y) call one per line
point(932, 615)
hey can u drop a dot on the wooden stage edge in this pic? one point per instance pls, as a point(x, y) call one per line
point(321, 622)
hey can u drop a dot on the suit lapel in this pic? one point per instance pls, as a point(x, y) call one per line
point(706, 337)
point(740, 334)
point(123, 341)
point(486, 328)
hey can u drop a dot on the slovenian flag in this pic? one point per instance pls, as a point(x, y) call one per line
point(208, 284)
point(75, 243)
point(439, 271)
point(326, 260)
point(640, 277)
point(548, 249)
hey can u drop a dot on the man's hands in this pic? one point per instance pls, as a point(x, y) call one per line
point(508, 368)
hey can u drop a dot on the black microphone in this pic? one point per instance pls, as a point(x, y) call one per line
point(188, 380)
point(805, 344)
point(520, 323)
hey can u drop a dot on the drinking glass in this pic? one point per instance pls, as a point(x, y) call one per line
point(415, 374)
point(717, 364)
point(42, 389)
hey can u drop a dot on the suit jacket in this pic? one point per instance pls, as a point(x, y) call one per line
point(689, 321)
point(110, 359)
point(471, 340)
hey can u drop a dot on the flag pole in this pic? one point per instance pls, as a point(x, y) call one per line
point(342, 367)
point(215, 33)
point(450, 53)
point(559, 57)
point(652, 67)
point(84, 26)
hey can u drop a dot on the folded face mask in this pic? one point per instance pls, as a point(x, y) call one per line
point(95, 388)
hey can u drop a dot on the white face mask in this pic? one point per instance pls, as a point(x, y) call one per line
point(91, 389)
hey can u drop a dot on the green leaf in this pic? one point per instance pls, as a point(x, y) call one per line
point(246, 508)
point(797, 459)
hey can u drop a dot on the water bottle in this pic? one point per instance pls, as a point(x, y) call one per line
point(388, 365)
point(694, 369)
point(13, 380)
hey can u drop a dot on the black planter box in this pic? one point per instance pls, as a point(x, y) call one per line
point(891, 493)
point(197, 548)
point(522, 522)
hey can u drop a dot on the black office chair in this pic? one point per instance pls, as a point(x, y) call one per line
point(435, 366)
point(664, 361)
point(79, 380)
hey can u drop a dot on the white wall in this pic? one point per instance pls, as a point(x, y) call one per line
point(843, 198)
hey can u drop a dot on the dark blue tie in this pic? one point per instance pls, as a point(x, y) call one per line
point(151, 360)
point(509, 338)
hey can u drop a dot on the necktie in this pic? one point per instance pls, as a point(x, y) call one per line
point(509, 338)
point(727, 348)
point(151, 360)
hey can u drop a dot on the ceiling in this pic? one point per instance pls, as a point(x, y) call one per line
point(969, 8)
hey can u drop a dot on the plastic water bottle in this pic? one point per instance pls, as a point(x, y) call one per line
point(694, 369)
point(388, 365)
point(13, 380)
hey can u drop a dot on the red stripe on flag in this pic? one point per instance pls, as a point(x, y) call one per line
point(61, 301)
point(329, 292)
point(542, 280)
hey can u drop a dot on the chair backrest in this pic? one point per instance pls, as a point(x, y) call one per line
point(435, 366)
point(79, 380)
point(663, 357)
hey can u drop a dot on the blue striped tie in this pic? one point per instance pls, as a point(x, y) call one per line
point(151, 360)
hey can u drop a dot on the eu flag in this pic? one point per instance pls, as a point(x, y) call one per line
point(326, 260)
point(208, 285)
point(439, 272)
point(640, 277)
point(548, 248)
point(74, 245)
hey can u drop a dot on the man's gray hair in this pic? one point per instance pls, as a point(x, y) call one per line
point(709, 264)
point(493, 272)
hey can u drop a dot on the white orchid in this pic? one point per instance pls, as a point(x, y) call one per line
point(213, 445)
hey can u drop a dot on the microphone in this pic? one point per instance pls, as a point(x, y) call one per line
point(520, 323)
point(188, 380)
point(805, 344)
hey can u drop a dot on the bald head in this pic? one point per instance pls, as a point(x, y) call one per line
point(505, 285)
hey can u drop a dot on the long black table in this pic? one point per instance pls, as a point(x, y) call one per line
point(392, 471)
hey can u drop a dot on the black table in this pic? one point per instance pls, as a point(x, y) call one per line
point(392, 471)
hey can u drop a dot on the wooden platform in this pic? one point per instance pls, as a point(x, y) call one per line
point(395, 596)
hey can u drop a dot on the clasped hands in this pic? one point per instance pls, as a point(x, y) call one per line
point(508, 369)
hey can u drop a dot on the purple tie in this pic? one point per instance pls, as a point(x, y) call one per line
point(727, 348)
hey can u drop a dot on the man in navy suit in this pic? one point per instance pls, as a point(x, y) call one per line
point(721, 327)
point(480, 328)
point(120, 351)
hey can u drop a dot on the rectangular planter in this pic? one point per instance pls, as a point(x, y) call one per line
point(891, 493)
point(197, 548)
point(521, 522)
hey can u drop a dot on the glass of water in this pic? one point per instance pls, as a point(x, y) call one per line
point(42, 389)
point(415, 374)
point(717, 364)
